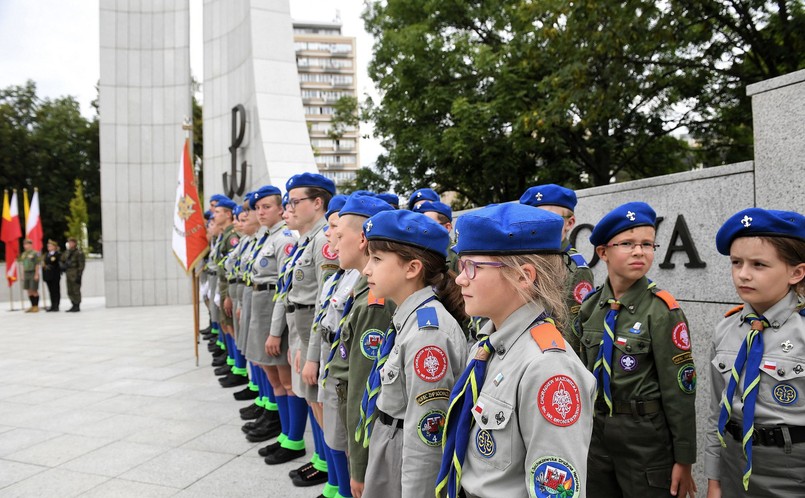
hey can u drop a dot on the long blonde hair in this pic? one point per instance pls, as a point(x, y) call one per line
point(549, 286)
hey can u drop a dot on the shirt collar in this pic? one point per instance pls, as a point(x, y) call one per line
point(316, 228)
point(778, 314)
point(410, 305)
point(276, 227)
point(518, 323)
point(630, 300)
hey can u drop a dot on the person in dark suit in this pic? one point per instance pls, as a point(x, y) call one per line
point(52, 274)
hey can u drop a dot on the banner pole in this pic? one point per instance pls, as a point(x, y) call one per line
point(195, 313)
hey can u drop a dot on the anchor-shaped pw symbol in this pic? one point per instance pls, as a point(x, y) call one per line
point(231, 179)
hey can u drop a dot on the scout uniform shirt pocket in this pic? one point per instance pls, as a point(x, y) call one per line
point(394, 399)
point(630, 353)
point(304, 268)
point(782, 381)
point(491, 440)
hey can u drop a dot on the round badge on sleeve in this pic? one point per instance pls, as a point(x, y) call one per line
point(581, 290)
point(431, 428)
point(559, 401)
point(370, 343)
point(328, 253)
point(234, 241)
point(342, 351)
point(288, 249)
point(263, 262)
point(687, 378)
point(681, 337)
point(785, 394)
point(430, 364)
point(553, 477)
point(485, 443)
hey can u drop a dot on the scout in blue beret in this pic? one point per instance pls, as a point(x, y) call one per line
point(438, 211)
point(420, 358)
point(353, 342)
point(580, 280)
point(421, 195)
point(313, 262)
point(216, 198)
point(635, 339)
point(392, 199)
point(505, 434)
point(756, 437)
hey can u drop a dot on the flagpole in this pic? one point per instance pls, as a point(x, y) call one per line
point(187, 126)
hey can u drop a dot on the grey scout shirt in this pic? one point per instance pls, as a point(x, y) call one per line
point(782, 373)
point(534, 415)
point(428, 356)
point(265, 270)
point(311, 270)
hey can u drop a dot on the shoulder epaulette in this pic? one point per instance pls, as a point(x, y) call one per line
point(667, 298)
point(375, 301)
point(579, 260)
point(427, 318)
point(733, 311)
point(548, 337)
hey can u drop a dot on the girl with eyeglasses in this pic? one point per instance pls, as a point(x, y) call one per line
point(520, 416)
point(635, 339)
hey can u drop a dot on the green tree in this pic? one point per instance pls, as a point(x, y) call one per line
point(487, 97)
point(78, 217)
point(47, 143)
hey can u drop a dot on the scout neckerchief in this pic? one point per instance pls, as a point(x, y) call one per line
point(326, 302)
point(369, 400)
point(255, 250)
point(337, 340)
point(749, 356)
point(459, 420)
point(235, 270)
point(285, 271)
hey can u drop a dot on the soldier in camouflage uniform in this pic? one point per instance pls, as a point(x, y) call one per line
point(73, 264)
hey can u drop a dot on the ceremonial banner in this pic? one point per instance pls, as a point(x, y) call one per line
point(10, 233)
point(33, 223)
point(189, 231)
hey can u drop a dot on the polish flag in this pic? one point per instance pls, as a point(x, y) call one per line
point(770, 365)
point(10, 234)
point(621, 340)
point(33, 223)
point(189, 232)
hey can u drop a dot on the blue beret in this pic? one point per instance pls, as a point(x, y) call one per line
point(285, 200)
point(219, 198)
point(336, 203)
point(549, 195)
point(207, 214)
point(227, 203)
point(312, 180)
point(423, 194)
point(757, 222)
point(390, 198)
point(622, 218)
point(409, 228)
point(435, 207)
point(364, 205)
point(262, 192)
point(509, 229)
point(238, 209)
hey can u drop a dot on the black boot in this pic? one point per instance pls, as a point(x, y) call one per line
point(233, 380)
point(264, 419)
point(251, 412)
point(264, 433)
point(223, 370)
point(245, 395)
point(283, 455)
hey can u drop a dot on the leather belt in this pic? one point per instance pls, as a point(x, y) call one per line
point(768, 435)
point(293, 307)
point(386, 419)
point(635, 407)
point(264, 287)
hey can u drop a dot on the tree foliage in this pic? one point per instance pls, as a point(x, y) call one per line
point(78, 217)
point(47, 143)
point(487, 97)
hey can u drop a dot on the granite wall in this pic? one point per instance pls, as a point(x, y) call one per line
point(249, 59)
point(144, 96)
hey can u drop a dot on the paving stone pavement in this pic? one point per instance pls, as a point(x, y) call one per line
point(110, 403)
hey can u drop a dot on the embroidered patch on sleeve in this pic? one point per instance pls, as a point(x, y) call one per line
point(559, 401)
point(553, 476)
point(687, 378)
point(432, 395)
point(328, 253)
point(681, 337)
point(431, 428)
point(581, 290)
point(430, 364)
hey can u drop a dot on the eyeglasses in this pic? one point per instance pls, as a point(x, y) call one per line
point(292, 203)
point(628, 246)
point(471, 266)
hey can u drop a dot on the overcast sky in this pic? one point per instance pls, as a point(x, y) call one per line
point(55, 44)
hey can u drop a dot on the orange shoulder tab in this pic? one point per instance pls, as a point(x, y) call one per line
point(733, 311)
point(547, 336)
point(668, 299)
point(374, 301)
